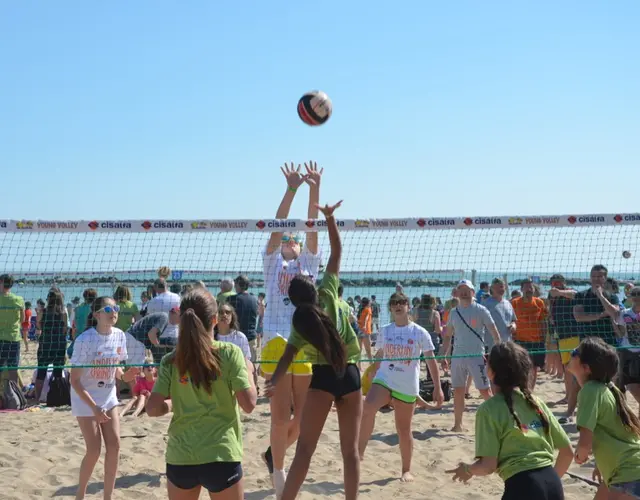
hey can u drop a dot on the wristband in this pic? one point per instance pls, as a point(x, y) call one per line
point(293, 190)
point(467, 469)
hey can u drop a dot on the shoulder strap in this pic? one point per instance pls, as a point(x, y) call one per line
point(467, 325)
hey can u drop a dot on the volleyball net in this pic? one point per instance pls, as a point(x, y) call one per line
point(422, 256)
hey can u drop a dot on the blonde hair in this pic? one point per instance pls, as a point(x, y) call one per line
point(164, 272)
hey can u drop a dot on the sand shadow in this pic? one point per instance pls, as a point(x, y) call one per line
point(322, 488)
point(392, 439)
point(123, 482)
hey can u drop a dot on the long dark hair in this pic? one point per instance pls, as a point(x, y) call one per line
point(55, 302)
point(96, 305)
point(195, 353)
point(511, 366)
point(314, 325)
point(602, 361)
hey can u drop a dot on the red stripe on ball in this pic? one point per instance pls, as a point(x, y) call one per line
point(304, 114)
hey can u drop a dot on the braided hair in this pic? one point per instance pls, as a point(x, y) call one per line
point(512, 365)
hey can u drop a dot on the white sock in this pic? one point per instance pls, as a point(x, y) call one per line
point(279, 478)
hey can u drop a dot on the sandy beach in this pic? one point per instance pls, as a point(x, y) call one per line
point(42, 449)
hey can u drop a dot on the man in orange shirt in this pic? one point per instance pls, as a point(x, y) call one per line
point(531, 314)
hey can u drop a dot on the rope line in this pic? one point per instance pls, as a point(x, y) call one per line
point(268, 362)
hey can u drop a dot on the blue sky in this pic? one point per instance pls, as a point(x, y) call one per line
point(157, 109)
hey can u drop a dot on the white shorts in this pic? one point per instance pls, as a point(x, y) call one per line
point(81, 409)
point(461, 368)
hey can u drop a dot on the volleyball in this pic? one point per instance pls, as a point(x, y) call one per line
point(626, 254)
point(314, 108)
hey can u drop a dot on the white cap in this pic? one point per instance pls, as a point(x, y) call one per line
point(466, 283)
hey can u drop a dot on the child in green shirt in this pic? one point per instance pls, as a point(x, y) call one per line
point(607, 425)
point(203, 382)
point(516, 434)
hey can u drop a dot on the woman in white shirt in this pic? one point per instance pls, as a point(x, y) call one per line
point(94, 400)
point(226, 330)
point(400, 345)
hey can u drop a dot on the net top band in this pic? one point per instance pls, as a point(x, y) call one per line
point(309, 225)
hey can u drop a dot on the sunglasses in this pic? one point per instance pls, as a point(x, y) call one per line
point(109, 309)
point(401, 302)
point(287, 238)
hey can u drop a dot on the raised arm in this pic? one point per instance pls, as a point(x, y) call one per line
point(333, 266)
point(294, 181)
point(313, 179)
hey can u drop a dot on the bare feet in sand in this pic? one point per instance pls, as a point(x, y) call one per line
point(458, 428)
point(407, 477)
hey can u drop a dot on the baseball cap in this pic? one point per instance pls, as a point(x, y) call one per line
point(466, 283)
point(557, 277)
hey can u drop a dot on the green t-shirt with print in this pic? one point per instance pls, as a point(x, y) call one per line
point(11, 307)
point(517, 450)
point(616, 449)
point(128, 311)
point(205, 427)
point(329, 301)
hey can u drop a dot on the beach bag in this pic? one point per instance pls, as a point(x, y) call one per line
point(59, 391)
point(427, 386)
point(12, 397)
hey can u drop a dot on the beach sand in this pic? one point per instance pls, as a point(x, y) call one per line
point(41, 453)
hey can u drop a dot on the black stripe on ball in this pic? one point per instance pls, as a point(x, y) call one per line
point(304, 116)
point(306, 102)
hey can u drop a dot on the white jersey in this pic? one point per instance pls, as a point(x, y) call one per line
point(277, 276)
point(402, 342)
point(239, 339)
point(93, 348)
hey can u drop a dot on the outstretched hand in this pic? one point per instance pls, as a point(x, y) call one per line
point(313, 174)
point(294, 178)
point(328, 210)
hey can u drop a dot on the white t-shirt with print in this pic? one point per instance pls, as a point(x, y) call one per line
point(402, 342)
point(239, 339)
point(277, 276)
point(93, 348)
point(163, 303)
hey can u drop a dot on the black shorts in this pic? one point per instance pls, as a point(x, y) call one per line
point(630, 364)
point(536, 357)
point(51, 352)
point(214, 476)
point(536, 484)
point(325, 379)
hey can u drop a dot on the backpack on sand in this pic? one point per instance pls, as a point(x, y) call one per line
point(59, 391)
point(427, 386)
point(12, 397)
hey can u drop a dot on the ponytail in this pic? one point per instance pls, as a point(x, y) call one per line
point(195, 353)
point(533, 404)
point(507, 392)
point(317, 328)
point(629, 419)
